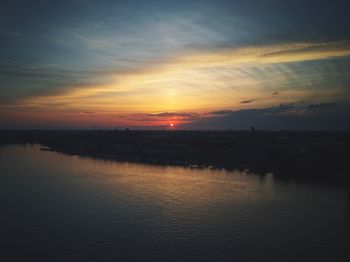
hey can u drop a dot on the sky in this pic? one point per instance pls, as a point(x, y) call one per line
point(191, 64)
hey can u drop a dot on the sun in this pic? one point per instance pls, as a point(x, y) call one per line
point(171, 124)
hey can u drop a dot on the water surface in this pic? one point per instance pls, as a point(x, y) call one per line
point(56, 207)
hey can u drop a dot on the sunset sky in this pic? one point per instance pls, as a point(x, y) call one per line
point(142, 64)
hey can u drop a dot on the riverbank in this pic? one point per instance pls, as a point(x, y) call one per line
point(297, 155)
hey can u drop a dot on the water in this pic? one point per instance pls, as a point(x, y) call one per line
point(56, 207)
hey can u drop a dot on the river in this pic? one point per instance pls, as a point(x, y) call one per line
point(57, 207)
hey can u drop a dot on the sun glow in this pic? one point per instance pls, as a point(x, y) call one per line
point(195, 82)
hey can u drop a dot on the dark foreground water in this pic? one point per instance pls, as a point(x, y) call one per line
point(56, 207)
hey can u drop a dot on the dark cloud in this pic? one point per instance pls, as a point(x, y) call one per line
point(320, 107)
point(222, 112)
point(246, 101)
point(271, 110)
point(282, 117)
point(172, 114)
point(164, 116)
point(281, 109)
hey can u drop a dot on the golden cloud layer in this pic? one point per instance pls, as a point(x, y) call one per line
point(195, 81)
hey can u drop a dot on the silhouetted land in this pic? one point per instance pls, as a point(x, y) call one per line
point(322, 156)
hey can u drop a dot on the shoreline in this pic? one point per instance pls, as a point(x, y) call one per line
point(303, 156)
